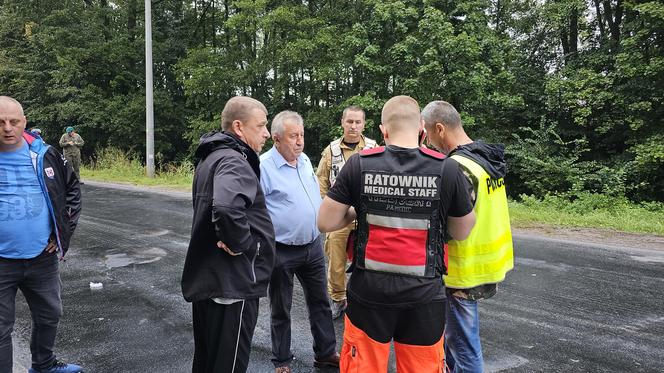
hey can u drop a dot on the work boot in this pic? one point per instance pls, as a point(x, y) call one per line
point(59, 367)
point(331, 361)
point(338, 308)
point(284, 369)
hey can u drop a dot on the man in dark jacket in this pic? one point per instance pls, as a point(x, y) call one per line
point(479, 262)
point(40, 202)
point(231, 252)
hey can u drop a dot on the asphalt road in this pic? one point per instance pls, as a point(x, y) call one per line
point(567, 306)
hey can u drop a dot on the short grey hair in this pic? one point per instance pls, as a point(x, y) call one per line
point(13, 101)
point(441, 112)
point(239, 108)
point(283, 117)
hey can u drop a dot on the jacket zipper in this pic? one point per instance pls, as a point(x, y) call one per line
point(253, 261)
point(38, 164)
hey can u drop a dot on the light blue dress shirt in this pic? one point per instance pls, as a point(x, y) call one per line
point(292, 196)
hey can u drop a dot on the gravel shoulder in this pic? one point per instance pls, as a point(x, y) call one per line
point(604, 237)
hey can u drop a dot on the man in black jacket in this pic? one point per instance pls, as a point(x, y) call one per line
point(40, 202)
point(231, 252)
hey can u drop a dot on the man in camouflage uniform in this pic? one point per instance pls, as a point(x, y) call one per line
point(332, 160)
point(71, 143)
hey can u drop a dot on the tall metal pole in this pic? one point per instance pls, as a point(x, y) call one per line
point(149, 112)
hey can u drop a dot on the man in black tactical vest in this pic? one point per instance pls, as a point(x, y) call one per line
point(404, 198)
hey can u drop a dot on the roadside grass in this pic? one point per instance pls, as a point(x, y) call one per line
point(589, 210)
point(114, 165)
point(583, 210)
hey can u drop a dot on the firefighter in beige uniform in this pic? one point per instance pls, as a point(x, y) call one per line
point(332, 160)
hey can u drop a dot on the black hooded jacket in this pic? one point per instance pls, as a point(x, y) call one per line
point(229, 206)
point(490, 156)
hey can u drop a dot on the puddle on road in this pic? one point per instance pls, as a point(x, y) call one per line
point(123, 259)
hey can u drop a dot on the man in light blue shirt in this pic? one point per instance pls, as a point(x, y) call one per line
point(293, 199)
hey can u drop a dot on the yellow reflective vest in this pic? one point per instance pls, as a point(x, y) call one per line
point(486, 255)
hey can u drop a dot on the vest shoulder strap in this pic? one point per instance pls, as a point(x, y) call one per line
point(335, 148)
point(372, 151)
point(431, 153)
point(469, 164)
point(369, 143)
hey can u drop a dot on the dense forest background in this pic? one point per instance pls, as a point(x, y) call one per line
point(574, 88)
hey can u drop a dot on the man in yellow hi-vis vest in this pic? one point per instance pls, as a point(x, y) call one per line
point(478, 263)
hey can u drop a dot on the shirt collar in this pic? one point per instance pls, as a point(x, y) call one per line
point(360, 144)
point(279, 159)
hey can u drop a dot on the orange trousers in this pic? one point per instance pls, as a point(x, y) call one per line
point(361, 354)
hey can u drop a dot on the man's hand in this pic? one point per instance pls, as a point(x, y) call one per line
point(223, 246)
point(52, 246)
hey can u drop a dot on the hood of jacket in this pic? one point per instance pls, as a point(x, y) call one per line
point(35, 143)
point(216, 140)
point(490, 156)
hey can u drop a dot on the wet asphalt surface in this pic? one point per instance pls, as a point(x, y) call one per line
point(567, 306)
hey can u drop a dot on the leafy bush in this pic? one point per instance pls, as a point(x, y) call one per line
point(647, 169)
point(541, 163)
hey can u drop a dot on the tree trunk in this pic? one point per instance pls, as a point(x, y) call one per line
point(131, 19)
point(564, 40)
point(573, 30)
point(614, 19)
point(600, 20)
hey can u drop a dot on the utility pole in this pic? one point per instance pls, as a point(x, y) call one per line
point(149, 111)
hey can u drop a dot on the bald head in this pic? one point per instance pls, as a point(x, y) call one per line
point(7, 101)
point(12, 124)
point(239, 108)
point(401, 113)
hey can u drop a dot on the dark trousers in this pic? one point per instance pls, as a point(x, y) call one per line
point(222, 335)
point(308, 264)
point(39, 281)
point(422, 325)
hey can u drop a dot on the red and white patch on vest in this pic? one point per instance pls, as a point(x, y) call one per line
point(396, 250)
point(49, 172)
